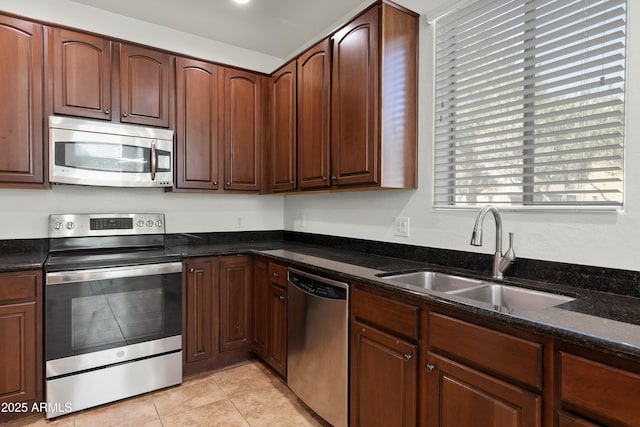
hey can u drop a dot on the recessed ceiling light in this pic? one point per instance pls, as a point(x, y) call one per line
point(241, 1)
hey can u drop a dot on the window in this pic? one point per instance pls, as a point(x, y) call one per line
point(529, 101)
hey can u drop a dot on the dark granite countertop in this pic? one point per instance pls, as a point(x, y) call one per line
point(603, 321)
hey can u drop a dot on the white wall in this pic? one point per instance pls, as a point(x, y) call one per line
point(600, 239)
point(65, 12)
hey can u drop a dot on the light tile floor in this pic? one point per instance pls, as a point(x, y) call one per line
point(243, 395)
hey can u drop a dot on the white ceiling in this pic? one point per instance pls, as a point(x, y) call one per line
point(273, 27)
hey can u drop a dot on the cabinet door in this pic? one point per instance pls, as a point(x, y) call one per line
point(459, 396)
point(18, 352)
point(197, 127)
point(261, 290)
point(145, 86)
point(81, 66)
point(21, 71)
point(384, 378)
point(282, 100)
point(236, 303)
point(355, 101)
point(314, 90)
point(201, 310)
point(278, 333)
point(242, 136)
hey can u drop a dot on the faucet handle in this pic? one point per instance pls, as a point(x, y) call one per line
point(509, 257)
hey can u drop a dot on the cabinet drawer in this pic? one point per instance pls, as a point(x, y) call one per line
point(503, 354)
point(566, 419)
point(600, 389)
point(393, 316)
point(18, 286)
point(278, 274)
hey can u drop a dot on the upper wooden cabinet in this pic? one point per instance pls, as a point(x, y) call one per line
point(374, 100)
point(82, 74)
point(95, 78)
point(21, 119)
point(197, 124)
point(242, 130)
point(314, 109)
point(282, 129)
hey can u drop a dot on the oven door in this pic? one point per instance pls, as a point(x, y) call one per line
point(104, 316)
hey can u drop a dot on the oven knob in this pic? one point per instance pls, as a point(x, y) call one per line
point(70, 225)
point(58, 225)
point(150, 223)
point(140, 223)
point(159, 223)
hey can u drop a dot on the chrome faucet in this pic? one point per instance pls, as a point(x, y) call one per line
point(500, 262)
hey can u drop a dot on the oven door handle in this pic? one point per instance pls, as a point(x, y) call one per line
point(61, 277)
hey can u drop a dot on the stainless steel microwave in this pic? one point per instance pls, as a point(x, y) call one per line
point(89, 152)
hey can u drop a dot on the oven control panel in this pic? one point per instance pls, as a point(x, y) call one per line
point(87, 225)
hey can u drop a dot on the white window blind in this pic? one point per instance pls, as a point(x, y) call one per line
point(529, 101)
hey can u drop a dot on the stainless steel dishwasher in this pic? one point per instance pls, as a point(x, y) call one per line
point(318, 344)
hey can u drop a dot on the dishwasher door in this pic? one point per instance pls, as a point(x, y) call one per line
point(318, 344)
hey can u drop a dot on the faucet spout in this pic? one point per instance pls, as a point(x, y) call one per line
point(500, 262)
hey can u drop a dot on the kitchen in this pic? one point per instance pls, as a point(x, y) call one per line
point(599, 239)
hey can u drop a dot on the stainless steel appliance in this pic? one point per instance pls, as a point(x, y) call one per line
point(318, 339)
point(90, 152)
point(113, 310)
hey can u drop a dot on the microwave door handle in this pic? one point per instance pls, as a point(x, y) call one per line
point(154, 161)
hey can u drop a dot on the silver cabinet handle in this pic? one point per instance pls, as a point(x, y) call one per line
point(281, 297)
point(107, 111)
point(324, 178)
point(407, 357)
point(430, 367)
point(333, 177)
point(124, 114)
point(276, 275)
point(192, 270)
point(228, 183)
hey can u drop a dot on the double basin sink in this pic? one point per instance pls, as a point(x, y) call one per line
point(502, 298)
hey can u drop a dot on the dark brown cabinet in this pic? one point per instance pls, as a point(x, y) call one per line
point(597, 388)
point(270, 341)
point(479, 376)
point(314, 110)
point(374, 100)
point(20, 341)
point(200, 314)
point(96, 78)
point(384, 361)
point(282, 129)
point(236, 303)
point(242, 130)
point(217, 312)
point(197, 124)
point(21, 118)
point(81, 66)
point(461, 396)
point(146, 82)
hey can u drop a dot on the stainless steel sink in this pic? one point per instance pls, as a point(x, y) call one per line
point(509, 298)
point(435, 281)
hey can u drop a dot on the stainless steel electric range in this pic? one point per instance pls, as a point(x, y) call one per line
point(113, 310)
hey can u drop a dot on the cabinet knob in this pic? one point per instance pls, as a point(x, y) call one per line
point(333, 177)
point(215, 182)
point(107, 111)
point(324, 178)
point(228, 184)
point(192, 270)
point(276, 275)
point(407, 357)
point(430, 367)
point(291, 182)
point(281, 297)
point(124, 114)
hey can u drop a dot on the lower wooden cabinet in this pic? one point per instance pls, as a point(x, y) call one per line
point(21, 339)
point(217, 314)
point(384, 361)
point(459, 396)
point(270, 340)
point(597, 390)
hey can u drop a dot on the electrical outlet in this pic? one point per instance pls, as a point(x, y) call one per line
point(401, 226)
point(239, 221)
point(301, 220)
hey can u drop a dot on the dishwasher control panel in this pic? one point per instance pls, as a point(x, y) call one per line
point(318, 286)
